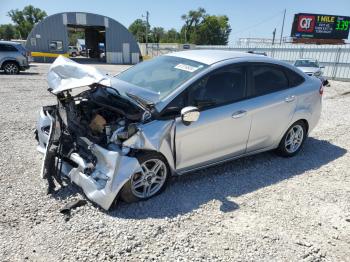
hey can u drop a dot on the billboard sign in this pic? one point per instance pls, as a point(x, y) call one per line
point(320, 26)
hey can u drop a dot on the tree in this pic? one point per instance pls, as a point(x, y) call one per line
point(138, 29)
point(214, 30)
point(8, 32)
point(171, 36)
point(26, 19)
point(192, 21)
point(157, 33)
point(203, 29)
point(74, 36)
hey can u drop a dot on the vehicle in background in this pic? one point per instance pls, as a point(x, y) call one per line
point(186, 46)
point(311, 67)
point(126, 135)
point(257, 53)
point(73, 51)
point(13, 57)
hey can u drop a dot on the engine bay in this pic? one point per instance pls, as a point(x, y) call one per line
point(101, 115)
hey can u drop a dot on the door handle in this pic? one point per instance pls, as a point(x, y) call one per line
point(289, 99)
point(239, 114)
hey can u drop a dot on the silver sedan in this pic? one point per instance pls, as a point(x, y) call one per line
point(124, 136)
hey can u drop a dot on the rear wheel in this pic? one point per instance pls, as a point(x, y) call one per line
point(292, 140)
point(150, 181)
point(11, 68)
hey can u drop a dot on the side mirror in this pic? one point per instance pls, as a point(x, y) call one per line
point(189, 114)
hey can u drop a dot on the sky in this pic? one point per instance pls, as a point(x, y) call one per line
point(248, 18)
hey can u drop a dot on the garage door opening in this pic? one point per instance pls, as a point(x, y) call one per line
point(87, 44)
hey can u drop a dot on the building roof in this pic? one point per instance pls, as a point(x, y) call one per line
point(210, 57)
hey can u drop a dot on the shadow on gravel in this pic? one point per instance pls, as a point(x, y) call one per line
point(21, 73)
point(232, 179)
point(29, 73)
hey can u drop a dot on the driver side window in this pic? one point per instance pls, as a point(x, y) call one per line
point(219, 88)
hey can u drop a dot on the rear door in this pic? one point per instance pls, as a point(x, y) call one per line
point(271, 106)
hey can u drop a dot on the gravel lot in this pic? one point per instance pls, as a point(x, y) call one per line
point(260, 208)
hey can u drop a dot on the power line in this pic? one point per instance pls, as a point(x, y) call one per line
point(258, 24)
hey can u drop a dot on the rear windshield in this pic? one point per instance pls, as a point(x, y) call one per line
point(162, 74)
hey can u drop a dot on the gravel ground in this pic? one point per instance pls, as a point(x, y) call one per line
point(259, 208)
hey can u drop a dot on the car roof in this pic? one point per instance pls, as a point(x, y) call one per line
point(210, 57)
point(9, 42)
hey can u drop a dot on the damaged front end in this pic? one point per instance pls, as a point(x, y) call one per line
point(93, 137)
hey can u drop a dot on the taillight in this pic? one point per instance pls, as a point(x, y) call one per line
point(321, 89)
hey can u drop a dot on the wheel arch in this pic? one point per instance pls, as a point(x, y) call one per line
point(6, 60)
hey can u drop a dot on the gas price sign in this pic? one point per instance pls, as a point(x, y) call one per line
point(320, 26)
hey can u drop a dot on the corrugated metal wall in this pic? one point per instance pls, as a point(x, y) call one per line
point(54, 27)
point(336, 59)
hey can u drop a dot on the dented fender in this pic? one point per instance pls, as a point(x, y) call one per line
point(156, 136)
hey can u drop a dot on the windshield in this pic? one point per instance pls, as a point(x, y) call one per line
point(306, 63)
point(162, 74)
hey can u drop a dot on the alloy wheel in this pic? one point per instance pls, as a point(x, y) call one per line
point(294, 139)
point(11, 68)
point(150, 180)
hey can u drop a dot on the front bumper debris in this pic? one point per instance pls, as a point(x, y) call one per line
point(100, 182)
point(112, 171)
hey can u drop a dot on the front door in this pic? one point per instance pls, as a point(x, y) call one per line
point(222, 129)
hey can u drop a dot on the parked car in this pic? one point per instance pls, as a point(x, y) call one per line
point(311, 67)
point(73, 51)
point(257, 53)
point(126, 135)
point(13, 57)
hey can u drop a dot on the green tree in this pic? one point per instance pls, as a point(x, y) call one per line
point(26, 19)
point(171, 36)
point(8, 32)
point(74, 36)
point(214, 30)
point(157, 33)
point(138, 29)
point(192, 19)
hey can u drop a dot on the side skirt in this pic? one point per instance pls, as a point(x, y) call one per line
point(218, 162)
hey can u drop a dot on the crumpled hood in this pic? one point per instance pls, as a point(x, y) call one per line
point(65, 74)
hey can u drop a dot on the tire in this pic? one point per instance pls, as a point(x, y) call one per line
point(11, 68)
point(146, 184)
point(290, 146)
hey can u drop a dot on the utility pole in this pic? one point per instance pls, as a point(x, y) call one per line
point(147, 23)
point(284, 17)
point(273, 36)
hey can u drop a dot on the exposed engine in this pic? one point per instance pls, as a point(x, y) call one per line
point(101, 115)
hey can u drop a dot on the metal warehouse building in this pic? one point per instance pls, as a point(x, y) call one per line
point(49, 38)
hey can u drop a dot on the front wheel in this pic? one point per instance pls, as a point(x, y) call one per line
point(11, 68)
point(292, 140)
point(150, 181)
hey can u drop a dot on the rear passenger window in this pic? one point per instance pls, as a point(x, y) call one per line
point(268, 79)
point(7, 48)
point(294, 78)
point(219, 88)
